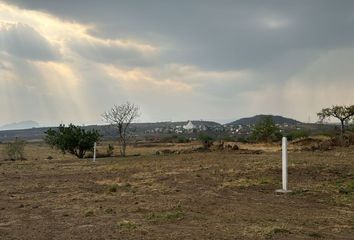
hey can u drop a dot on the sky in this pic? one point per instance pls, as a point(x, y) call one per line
point(70, 61)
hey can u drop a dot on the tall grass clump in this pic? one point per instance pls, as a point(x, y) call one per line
point(15, 150)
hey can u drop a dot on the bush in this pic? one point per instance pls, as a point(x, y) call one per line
point(351, 128)
point(345, 140)
point(297, 134)
point(72, 139)
point(110, 149)
point(175, 139)
point(206, 140)
point(182, 139)
point(15, 150)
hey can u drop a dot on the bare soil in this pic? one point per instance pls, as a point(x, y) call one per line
point(211, 195)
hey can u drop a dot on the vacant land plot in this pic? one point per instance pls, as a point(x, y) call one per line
point(214, 195)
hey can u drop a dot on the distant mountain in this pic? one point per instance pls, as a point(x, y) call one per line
point(20, 125)
point(255, 119)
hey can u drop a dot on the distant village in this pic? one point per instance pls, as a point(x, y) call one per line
point(200, 126)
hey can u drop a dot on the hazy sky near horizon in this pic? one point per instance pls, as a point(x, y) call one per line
point(69, 61)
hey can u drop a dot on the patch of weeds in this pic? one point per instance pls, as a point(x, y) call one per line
point(125, 187)
point(89, 213)
point(315, 235)
point(129, 187)
point(126, 224)
point(173, 215)
point(276, 231)
point(265, 181)
point(109, 210)
point(347, 188)
point(113, 188)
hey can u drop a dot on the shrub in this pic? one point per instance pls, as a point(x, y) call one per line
point(175, 139)
point(72, 139)
point(344, 140)
point(297, 134)
point(182, 139)
point(206, 140)
point(351, 128)
point(15, 150)
point(110, 149)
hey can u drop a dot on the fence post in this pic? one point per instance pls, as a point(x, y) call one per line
point(284, 166)
point(94, 151)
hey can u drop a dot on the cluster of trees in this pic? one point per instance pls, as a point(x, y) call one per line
point(78, 141)
point(266, 130)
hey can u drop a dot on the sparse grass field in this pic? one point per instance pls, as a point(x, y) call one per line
point(213, 195)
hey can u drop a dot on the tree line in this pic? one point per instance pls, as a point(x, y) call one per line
point(78, 141)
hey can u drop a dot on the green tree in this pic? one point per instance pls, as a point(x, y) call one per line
point(72, 139)
point(342, 113)
point(266, 130)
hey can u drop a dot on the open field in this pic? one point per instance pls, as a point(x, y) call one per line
point(212, 195)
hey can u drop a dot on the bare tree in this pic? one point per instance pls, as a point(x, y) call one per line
point(121, 116)
point(342, 113)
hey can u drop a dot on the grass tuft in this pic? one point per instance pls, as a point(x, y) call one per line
point(113, 188)
point(126, 224)
point(165, 216)
point(89, 213)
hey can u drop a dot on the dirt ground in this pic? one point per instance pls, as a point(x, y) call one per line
point(212, 195)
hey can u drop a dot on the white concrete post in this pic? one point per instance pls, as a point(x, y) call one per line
point(94, 152)
point(284, 166)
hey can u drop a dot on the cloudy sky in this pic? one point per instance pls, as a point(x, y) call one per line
point(69, 61)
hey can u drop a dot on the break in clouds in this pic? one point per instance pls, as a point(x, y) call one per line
point(64, 61)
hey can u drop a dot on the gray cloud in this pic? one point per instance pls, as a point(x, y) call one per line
point(23, 41)
point(112, 53)
point(289, 50)
point(217, 34)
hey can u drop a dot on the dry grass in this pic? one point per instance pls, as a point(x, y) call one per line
point(215, 195)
